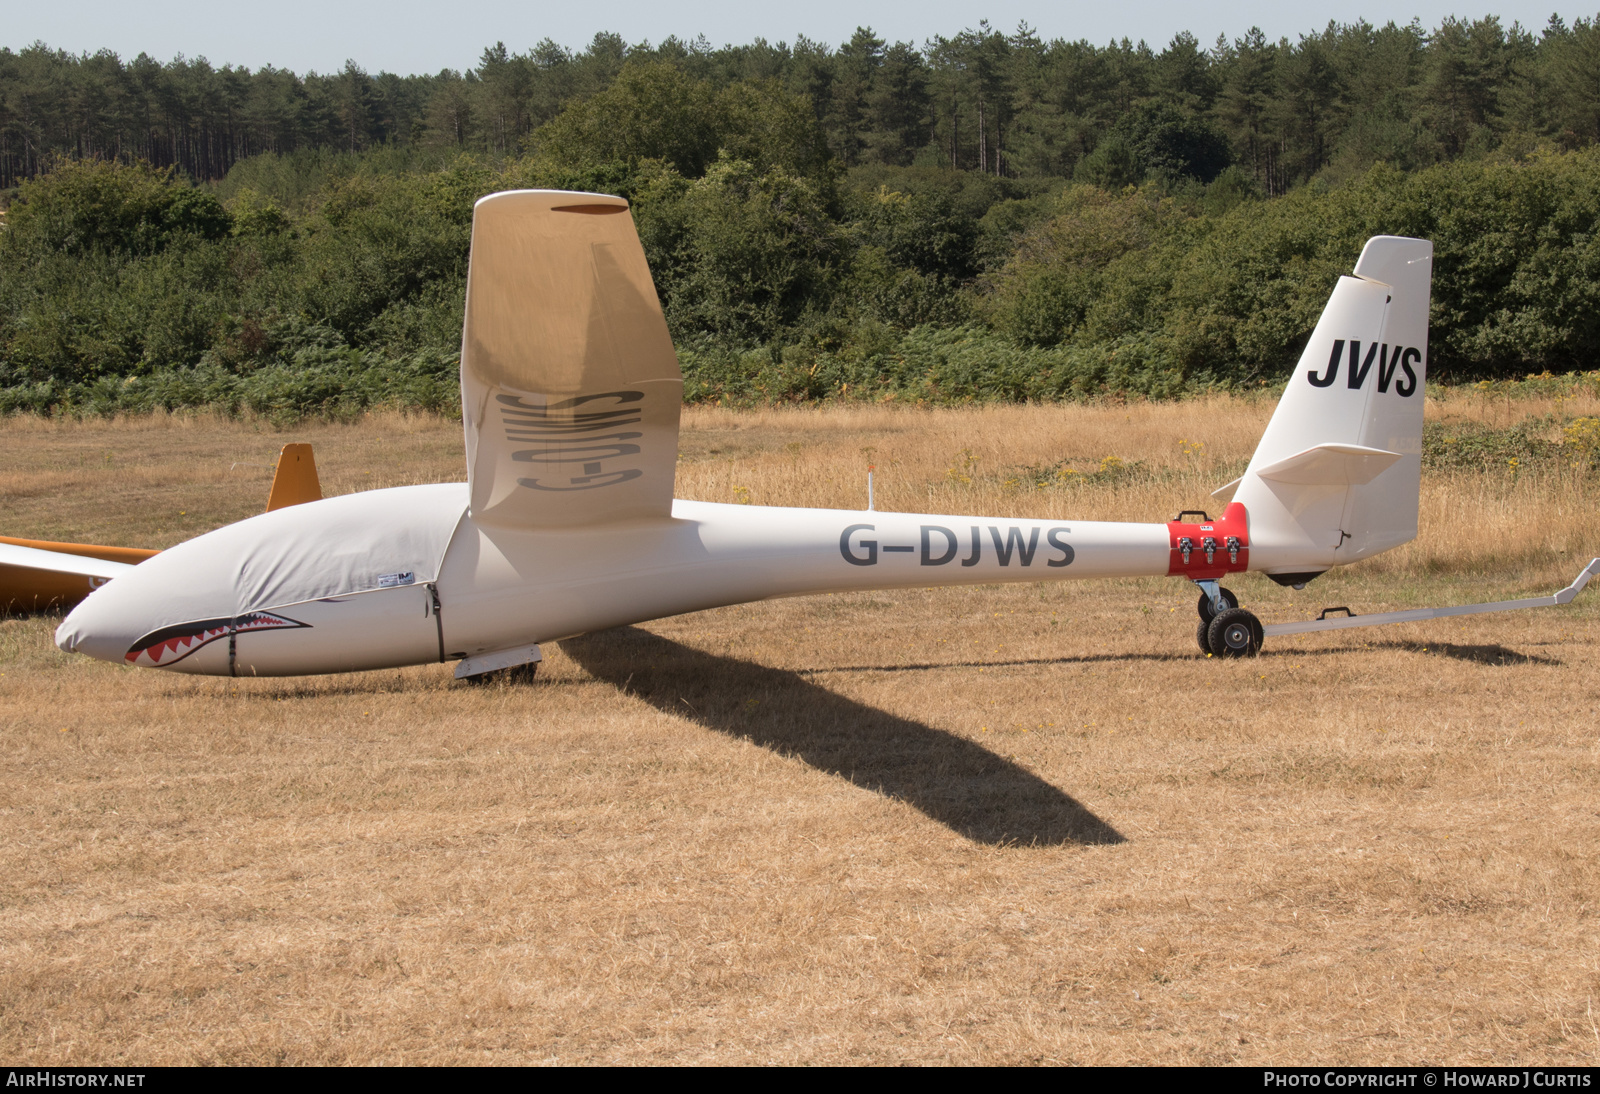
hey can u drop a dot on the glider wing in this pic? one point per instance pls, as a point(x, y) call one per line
point(60, 562)
point(34, 578)
point(570, 388)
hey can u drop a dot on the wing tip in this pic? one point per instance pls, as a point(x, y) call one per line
point(560, 201)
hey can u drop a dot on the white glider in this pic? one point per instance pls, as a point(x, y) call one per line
point(570, 399)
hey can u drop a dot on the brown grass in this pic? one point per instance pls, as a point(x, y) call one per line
point(1004, 825)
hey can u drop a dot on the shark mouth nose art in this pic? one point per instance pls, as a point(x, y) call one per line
point(169, 645)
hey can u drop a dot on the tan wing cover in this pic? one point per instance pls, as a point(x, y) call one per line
point(570, 388)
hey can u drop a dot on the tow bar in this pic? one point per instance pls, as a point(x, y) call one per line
point(1322, 623)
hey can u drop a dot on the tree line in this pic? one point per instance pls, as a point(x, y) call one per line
point(321, 284)
point(805, 248)
point(1012, 105)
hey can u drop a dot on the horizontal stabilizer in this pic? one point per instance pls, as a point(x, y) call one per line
point(59, 562)
point(1225, 493)
point(1331, 465)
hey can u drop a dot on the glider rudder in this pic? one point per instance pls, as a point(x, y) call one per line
point(294, 482)
point(1337, 475)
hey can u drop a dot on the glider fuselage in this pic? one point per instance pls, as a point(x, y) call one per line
point(491, 588)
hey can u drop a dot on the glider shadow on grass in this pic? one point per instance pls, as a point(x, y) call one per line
point(962, 785)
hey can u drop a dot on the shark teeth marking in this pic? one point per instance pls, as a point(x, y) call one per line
point(169, 645)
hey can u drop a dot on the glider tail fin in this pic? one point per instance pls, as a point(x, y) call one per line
point(1337, 474)
point(295, 480)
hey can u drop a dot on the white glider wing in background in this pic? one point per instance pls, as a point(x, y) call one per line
point(61, 562)
point(570, 388)
point(36, 575)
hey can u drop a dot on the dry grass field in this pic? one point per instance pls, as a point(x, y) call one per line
point(995, 825)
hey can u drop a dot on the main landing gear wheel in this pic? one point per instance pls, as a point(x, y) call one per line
point(1206, 613)
point(1235, 633)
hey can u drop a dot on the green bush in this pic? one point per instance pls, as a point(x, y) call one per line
point(122, 287)
point(97, 205)
point(741, 254)
point(656, 111)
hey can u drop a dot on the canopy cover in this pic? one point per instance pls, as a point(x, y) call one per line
point(333, 547)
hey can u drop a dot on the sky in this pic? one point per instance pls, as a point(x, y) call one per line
point(411, 36)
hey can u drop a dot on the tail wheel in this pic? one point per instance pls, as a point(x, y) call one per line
point(1203, 636)
point(1204, 607)
point(1235, 633)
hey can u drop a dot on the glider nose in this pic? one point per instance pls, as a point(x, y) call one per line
point(98, 629)
point(138, 620)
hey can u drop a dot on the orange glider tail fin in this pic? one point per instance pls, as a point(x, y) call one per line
point(295, 481)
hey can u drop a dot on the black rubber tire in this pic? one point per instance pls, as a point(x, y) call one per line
point(1204, 606)
point(1202, 637)
point(1235, 633)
